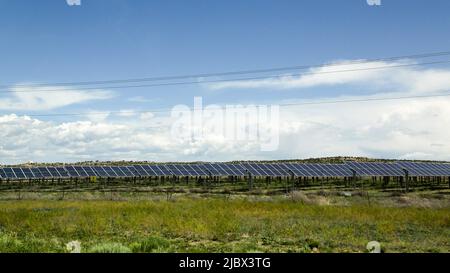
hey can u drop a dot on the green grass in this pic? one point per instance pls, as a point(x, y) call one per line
point(109, 248)
point(187, 224)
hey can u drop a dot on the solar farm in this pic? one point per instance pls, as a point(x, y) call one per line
point(347, 170)
point(243, 177)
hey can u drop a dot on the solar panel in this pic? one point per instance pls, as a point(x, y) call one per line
point(80, 170)
point(249, 169)
point(28, 173)
point(109, 171)
point(194, 171)
point(336, 170)
point(292, 169)
point(211, 170)
point(19, 173)
point(72, 171)
point(265, 168)
point(425, 168)
point(237, 169)
point(126, 171)
point(191, 170)
point(61, 171)
point(45, 173)
point(37, 173)
point(278, 169)
point(445, 168)
point(312, 170)
point(254, 169)
point(261, 169)
point(118, 171)
point(225, 169)
point(416, 169)
point(298, 170)
point(221, 170)
point(9, 173)
point(90, 172)
point(99, 171)
point(200, 169)
point(375, 169)
point(133, 170)
point(156, 170)
point(141, 171)
point(364, 169)
point(175, 170)
point(164, 169)
point(149, 170)
point(321, 170)
point(306, 171)
point(2, 173)
point(54, 173)
point(318, 170)
point(183, 169)
point(159, 170)
point(341, 170)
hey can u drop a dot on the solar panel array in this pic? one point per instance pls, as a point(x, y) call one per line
point(425, 169)
point(320, 170)
point(224, 169)
point(375, 169)
point(266, 169)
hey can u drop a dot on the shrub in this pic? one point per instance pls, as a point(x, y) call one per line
point(298, 196)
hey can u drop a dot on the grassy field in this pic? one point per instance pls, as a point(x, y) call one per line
point(298, 222)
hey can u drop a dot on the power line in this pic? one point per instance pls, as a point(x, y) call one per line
point(165, 110)
point(226, 80)
point(240, 72)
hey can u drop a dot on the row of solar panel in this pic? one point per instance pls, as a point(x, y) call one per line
point(222, 169)
point(425, 169)
point(399, 168)
point(376, 169)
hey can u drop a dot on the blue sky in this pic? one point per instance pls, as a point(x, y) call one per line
point(49, 41)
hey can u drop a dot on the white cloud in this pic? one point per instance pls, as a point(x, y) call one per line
point(33, 98)
point(410, 79)
point(404, 129)
point(410, 128)
point(146, 116)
